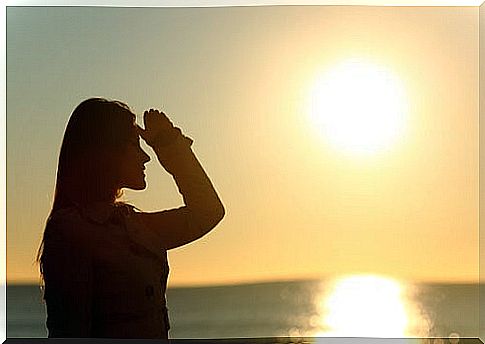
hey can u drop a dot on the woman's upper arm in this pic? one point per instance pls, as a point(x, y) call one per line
point(68, 277)
point(174, 227)
point(203, 208)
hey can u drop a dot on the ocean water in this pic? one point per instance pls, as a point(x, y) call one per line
point(347, 307)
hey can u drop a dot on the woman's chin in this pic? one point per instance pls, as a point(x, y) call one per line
point(137, 186)
point(142, 186)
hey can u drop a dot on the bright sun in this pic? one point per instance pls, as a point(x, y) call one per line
point(358, 106)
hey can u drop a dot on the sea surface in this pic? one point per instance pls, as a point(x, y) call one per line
point(345, 307)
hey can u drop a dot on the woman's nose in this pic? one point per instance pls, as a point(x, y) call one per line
point(145, 157)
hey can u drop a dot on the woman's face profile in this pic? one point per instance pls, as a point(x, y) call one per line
point(133, 162)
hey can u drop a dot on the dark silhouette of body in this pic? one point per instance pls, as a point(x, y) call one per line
point(103, 262)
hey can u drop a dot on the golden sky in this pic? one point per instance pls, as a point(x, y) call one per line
point(237, 80)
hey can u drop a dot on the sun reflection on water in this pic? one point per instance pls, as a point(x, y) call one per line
point(369, 306)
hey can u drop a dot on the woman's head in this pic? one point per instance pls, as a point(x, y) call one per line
point(93, 159)
point(100, 154)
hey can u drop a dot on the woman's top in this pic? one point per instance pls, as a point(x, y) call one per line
point(105, 267)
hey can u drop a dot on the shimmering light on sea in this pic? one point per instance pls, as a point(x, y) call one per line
point(368, 306)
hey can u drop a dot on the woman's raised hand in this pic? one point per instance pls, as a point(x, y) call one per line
point(159, 129)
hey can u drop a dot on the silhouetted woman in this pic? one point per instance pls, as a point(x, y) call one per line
point(104, 263)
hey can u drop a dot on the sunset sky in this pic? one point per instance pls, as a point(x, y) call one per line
point(240, 81)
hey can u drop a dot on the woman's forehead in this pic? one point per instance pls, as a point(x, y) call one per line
point(133, 133)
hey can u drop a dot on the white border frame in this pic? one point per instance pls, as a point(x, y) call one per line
point(145, 3)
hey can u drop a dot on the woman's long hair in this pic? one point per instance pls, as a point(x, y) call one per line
point(90, 156)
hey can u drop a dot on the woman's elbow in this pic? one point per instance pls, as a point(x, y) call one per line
point(212, 219)
point(221, 212)
point(218, 214)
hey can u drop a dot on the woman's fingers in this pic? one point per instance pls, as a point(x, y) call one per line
point(156, 123)
point(156, 120)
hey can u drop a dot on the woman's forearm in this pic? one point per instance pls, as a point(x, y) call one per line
point(198, 193)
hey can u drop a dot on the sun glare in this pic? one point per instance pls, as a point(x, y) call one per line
point(358, 106)
point(366, 306)
point(370, 306)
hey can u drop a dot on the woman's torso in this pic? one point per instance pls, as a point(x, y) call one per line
point(128, 279)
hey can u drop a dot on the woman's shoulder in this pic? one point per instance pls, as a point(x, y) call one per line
point(91, 215)
point(64, 215)
point(68, 223)
point(66, 235)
